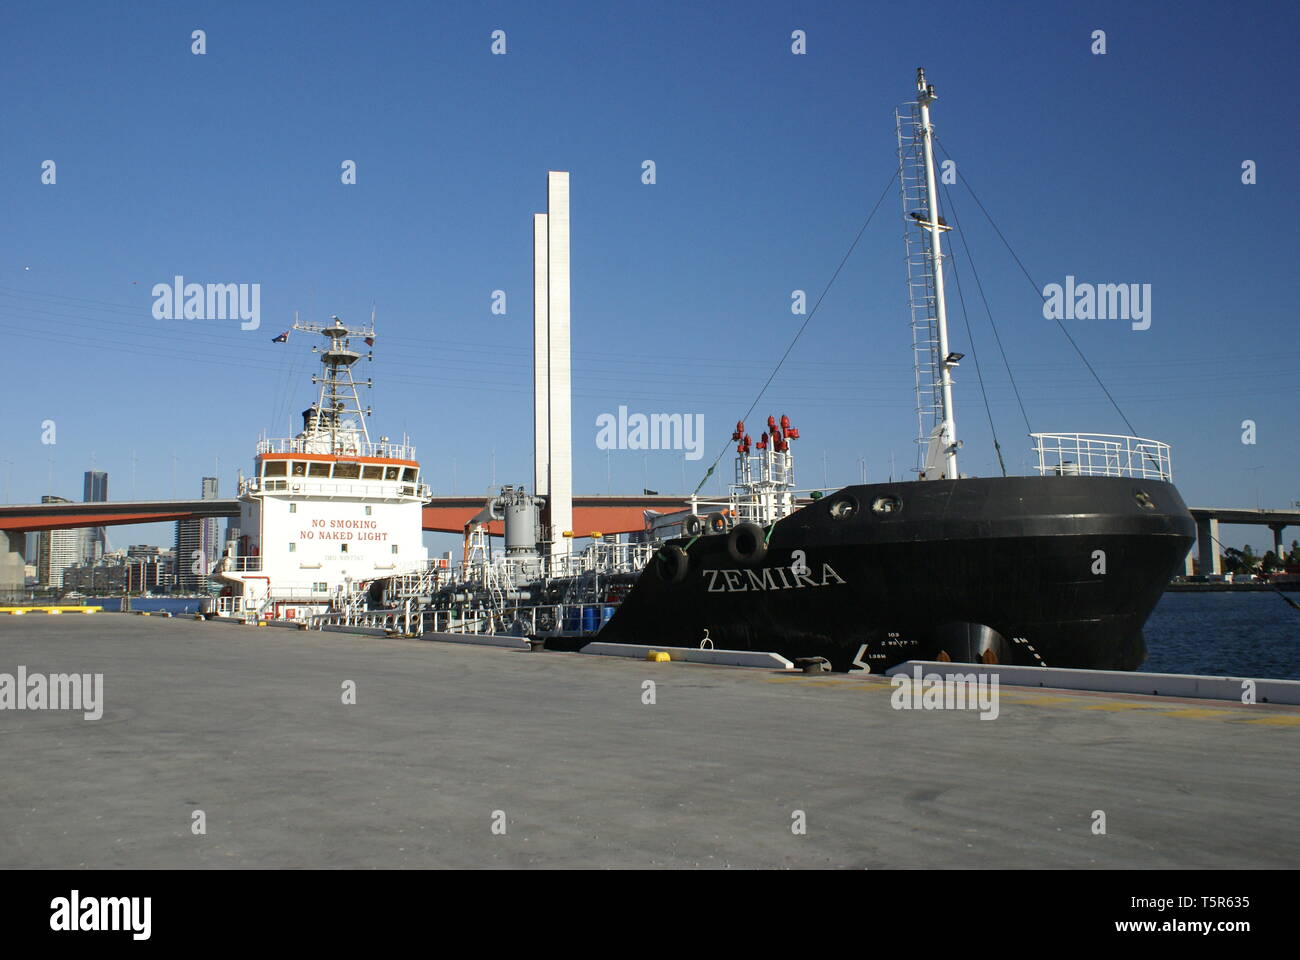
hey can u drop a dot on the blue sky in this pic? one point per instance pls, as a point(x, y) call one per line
point(1122, 168)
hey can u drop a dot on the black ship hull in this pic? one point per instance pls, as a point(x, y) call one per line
point(1061, 571)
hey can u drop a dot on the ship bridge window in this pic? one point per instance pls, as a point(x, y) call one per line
point(372, 473)
point(299, 468)
point(318, 469)
point(347, 471)
point(408, 475)
point(274, 468)
point(391, 473)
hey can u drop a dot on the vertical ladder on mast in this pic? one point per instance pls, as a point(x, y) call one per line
point(920, 274)
point(925, 289)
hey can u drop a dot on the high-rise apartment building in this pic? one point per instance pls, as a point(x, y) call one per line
point(198, 545)
point(57, 550)
point(95, 490)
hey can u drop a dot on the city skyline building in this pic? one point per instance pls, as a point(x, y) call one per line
point(57, 550)
point(198, 545)
point(95, 490)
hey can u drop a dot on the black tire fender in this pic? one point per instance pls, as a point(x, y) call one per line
point(672, 563)
point(747, 544)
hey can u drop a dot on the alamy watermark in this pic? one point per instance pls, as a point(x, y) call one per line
point(655, 431)
point(75, 913)
point(1101, 301)
point(946, 691)
point(179, 300)
point(58, 691)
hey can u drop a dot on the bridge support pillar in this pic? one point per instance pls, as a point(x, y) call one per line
point(13, 583)
point(1207, 536)
point(1278, 547)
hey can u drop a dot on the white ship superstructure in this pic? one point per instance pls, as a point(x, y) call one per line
point(329, 510)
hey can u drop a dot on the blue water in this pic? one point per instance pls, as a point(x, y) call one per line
point(174, 604)
point(1225, 634)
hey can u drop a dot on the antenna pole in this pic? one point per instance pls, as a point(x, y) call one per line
point(925, 97)
point(338, 395)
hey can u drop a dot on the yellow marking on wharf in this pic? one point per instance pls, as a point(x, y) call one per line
point(19, 611)
point(1082, 699)
point(845, 680)
point(1276, 721)
point(856, 686)
point(1126, 706)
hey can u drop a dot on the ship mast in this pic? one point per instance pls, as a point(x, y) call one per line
point(933, 361)
point(338, 390)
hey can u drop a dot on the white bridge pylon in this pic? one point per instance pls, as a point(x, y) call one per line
point(552, 380)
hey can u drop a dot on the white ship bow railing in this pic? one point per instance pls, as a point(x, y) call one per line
point(1102, 455)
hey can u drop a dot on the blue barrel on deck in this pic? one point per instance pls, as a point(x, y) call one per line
point(572, 619)
point(590, 619)
point(607, 614)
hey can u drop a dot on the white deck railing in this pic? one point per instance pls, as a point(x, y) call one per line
point(345, 448)
point(322, 487)
point(1102, 455)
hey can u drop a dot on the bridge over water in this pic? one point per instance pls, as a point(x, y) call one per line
point(1207, 531)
